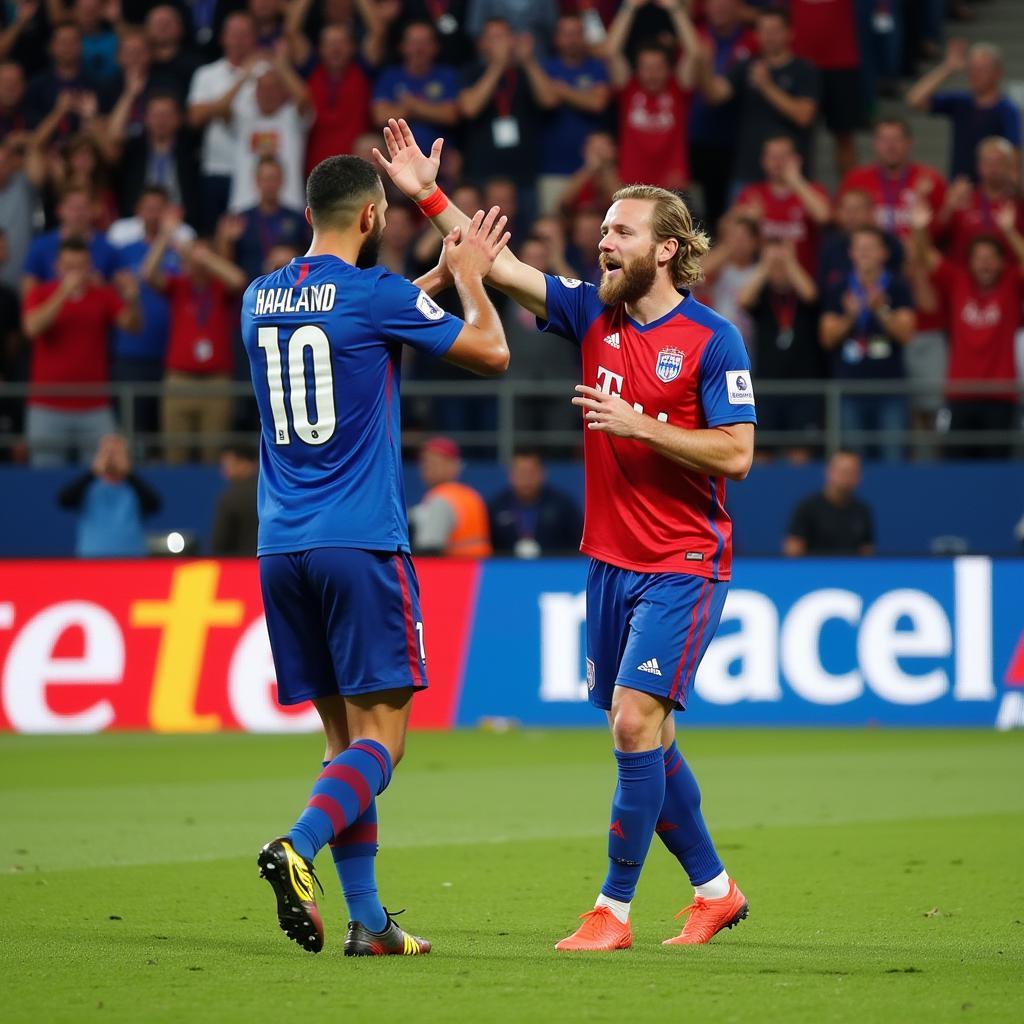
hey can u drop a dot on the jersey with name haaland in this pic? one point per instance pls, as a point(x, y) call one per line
point(689, 368)
point(324, 341)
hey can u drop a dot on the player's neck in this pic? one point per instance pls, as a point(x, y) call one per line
point(334, 243)
point(661, 299)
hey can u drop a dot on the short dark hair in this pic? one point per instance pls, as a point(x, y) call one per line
point(898, 122)
point(874, 231)
point(74, 243)
point(774, 12)
point(337, 187)
point(527, 452)
point(420, 23)
point(164, 94)
point(653, 46)
point(154, 189)
point(268, 160)
point(991, 240)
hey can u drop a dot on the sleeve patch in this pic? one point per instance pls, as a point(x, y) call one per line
point(428, 307)
point(570, 282)
point(739, 387)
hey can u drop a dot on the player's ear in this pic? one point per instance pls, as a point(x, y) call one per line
point(367, 218)
point(309, 216)
point(668, 249)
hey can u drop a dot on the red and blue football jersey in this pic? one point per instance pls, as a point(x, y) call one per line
point(324, 341)
point(689, 368)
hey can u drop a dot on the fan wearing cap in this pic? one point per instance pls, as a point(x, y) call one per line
point(452, 517)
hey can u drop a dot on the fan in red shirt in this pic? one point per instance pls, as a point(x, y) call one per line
point(893, 180)
point(970, 212)
point(825, 34)
point(69, 321)
point(788, 206)
point(204, 318)
point(982, 303)
point(339, 91)
point(654, 101)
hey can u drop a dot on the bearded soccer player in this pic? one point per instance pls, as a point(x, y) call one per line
point(669, 414)
point(324, 336)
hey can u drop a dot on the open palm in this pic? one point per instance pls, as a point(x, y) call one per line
point(413, 173)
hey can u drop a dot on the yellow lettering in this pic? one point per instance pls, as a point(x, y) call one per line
point(185, 617)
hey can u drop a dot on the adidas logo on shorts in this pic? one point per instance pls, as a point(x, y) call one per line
point(651, 665)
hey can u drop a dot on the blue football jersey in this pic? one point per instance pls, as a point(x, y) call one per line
point(324, 341)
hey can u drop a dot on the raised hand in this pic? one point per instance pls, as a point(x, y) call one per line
point(414, 174)
point(956, 54)
point(920, 213)
point(851, 305)
point(1005, 217)
point(523, 47)
point(474, 250)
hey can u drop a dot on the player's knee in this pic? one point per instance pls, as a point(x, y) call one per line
point(631, 730)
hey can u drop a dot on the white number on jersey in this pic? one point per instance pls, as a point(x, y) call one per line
point(307, 337)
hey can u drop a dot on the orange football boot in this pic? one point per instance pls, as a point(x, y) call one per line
point(601, 931)
point(709, 917)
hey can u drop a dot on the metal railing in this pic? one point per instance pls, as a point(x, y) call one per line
point(509, 433)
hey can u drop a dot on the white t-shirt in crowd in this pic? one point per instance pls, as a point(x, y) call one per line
point(210, 83)
point(129, 230)
point(282, 135)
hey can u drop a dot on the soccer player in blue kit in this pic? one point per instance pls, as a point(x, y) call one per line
point(324, 337)
point(668, 406)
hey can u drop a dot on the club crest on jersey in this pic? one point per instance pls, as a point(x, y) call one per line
point(669, 365)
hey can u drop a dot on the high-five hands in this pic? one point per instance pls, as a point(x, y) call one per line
point(414, 173)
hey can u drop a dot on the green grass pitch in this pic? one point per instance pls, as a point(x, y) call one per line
point(885, 872)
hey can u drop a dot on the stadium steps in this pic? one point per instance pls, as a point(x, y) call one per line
point(997, 21)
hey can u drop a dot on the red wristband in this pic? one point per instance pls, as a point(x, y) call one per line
point(434, 204)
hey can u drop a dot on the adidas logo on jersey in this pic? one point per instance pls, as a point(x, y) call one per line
point(612, 339)
point(651, 665)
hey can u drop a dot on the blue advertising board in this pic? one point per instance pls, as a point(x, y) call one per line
point(893, 642)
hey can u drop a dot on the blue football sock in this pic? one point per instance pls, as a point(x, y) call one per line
point(681, 825)
point(635, 806)
point(355, 853)
point(342, 794)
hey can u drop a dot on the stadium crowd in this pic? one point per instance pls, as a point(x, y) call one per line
point(153, 159)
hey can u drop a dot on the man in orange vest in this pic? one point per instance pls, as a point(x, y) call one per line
point(451, 519)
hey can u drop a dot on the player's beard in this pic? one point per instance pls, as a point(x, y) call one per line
point(370, 249)
point(631, 284)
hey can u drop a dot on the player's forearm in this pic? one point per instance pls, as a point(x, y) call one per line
point(712, 450)
point(479, 312)
point(452, 217)
point(433, 281)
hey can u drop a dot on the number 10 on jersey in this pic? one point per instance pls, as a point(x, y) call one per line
point(313, 338)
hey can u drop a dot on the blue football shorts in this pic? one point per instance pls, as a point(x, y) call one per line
point(342, 621)
point(648, 631)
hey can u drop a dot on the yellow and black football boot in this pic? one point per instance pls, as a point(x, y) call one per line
point(292, 879)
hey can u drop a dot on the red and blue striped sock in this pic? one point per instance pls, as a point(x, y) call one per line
point(681, 825)
point(341, 795)
point(638, 798)
point(355, 854)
